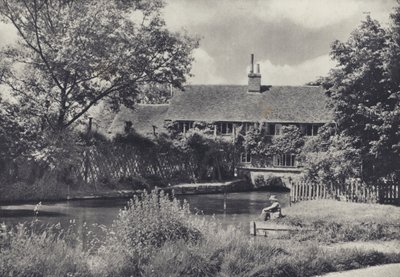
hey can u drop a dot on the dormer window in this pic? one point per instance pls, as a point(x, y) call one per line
point(225, 128)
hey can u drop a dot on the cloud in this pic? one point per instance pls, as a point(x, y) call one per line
point(205, 69)
point(313, 14)
point(298, 74)
point(179, 14)
point(7, 34)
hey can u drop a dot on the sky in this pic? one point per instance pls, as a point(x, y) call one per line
point(290, 38)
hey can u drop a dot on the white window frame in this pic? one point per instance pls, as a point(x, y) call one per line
point(248, 126)
point(284, 160)
point(278, 129)
point(185, 126)
point(222, 128)
point(313, 128)
point(245, 158)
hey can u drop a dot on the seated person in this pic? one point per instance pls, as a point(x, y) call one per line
point(274, 209)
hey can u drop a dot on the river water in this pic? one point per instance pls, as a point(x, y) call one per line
point(239, 207)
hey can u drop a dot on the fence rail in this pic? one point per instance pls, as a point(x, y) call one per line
point(384, 193)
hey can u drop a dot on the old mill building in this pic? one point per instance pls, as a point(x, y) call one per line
point(233, 106)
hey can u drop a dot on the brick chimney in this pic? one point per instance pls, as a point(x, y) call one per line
point(254, 78)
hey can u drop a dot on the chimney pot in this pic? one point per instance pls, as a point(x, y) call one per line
point(254, 78)
point(252, 63)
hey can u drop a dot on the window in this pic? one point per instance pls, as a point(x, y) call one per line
point(245, 157)
point(312, 129)
point(225, 128)
point(275, 129)
point(184, 126)
point(247, 126)
point(278, 129)
point(285, 160)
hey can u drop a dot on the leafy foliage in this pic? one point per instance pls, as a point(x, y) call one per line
point(263, 147)
point(289, 142)
point(147, 223)
point(71, 54)
point(331, 160)
point(364, 94)
point(212, 155)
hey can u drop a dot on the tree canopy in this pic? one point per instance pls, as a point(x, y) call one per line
point(364, 92)
point(71, 54)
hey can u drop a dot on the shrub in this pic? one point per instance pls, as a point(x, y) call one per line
point(146, 224)
point(259, 181)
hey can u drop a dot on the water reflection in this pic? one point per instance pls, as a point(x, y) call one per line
point(239, 207)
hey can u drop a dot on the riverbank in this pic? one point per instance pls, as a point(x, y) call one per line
point(123, 191)
point(239, 185)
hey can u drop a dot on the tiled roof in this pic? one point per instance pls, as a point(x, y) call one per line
point(143, 118)
point(233, 103)
point(291, 104)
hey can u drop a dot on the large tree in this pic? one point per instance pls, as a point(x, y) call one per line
point(364, 94)
point(71, 54)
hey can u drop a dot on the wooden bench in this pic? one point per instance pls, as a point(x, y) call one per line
point(271, 229)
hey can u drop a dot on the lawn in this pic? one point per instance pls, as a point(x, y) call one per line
point(330, 221)
point(339, 211)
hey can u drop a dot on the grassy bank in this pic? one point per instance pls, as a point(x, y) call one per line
point(333, 221)
point(155, 236)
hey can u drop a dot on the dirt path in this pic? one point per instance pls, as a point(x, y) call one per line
point(389, 270)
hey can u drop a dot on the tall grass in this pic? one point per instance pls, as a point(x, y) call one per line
point(30, 251)
point(156, 235)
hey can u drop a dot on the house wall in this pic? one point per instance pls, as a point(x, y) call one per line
point(286, 175)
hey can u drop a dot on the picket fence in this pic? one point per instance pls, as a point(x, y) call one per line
point(355, 191)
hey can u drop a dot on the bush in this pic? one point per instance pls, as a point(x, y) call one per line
point(259, 181)
point(146, 224)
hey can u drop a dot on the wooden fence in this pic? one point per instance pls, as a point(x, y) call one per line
point(120, 161)
point(389, 193)
point(117, 162)
point(110, 163)
point(384, 193)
